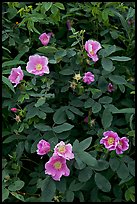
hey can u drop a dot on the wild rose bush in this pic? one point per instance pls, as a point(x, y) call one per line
point(68, 99)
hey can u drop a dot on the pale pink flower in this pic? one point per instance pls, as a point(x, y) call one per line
point(86, 119)
point(43, 147)
point(64, 151)
point(110, 140)
point(57, 167)
point(88, 77)
point(122, 145)
point(16, 76)
point(38, 65)
point(14, 110)
point(92, 47)
point(45, 38)
point(110, 87)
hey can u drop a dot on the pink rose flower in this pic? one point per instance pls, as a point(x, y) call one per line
point(43, 147)
point(14, 110)
point(122, 145)
point(16, 76)
point(64, 151)
point(92, 47)
point(37, 65)
point(88, 77)
point(57, 167)
point(110, 87)
point(45, 38)
point(110, 140)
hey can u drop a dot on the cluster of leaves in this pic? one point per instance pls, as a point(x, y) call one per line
point(50, 109)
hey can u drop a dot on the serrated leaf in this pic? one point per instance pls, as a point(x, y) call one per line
point(12, 62)
point(67, 72)
point(114, 163)
point(47, 50)
point(48, 190)
point(5, 194)
point(62, 128)
point(120, 58)
point(69, 196)
point(117, 79)
point(106, 119)
point(87, 158)
point(8, 83)
point(60, 5)
point(85, 143)
point(70, 115)
point(75, 110)
point(107, 64)
point(96, 107)
point(42, 127)
point(102, 183)
point(59, 116)
point(85, 174)
point(89, 103)
point(17, 185)
point(105, 99)
point(47, 5)
point(122, 171)
point(40, 102)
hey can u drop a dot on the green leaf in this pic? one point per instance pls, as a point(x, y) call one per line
point(85, 174)
point(67, 72)
point(60, 6)
point(96, 93)
point(85, 143)
point(75, 110)
point(87, 158)
point(12, 62)
point(17, 185)
point(96, 107)
point(70, 115)
point(114, 163)
point(47, 5)
point(20, 149)
point(18, 196)
point(107, 64)
point(102, 183)
point(125, 110)
point(117, 79)
point(62, 128)
point(48, 190)
point(31, 113)
point(120, 58)
point(47, 50)
point(8, 83)
point(61, 185)
point(89, 103)
point(122, 171)
point(40, 102)
point(69, 196)
point(105, 99)
point(106, 119)
point(59, 116)
point(131, 13)
point(10, 139)
point(42, 127)
point(131, 167)
point(5, 194)
point(101, 165)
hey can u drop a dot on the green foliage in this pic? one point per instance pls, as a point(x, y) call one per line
point(54, 106)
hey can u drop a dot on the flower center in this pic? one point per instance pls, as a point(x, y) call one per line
point(62, 149)
point(57, 165)
point(92, 52)
point(120, 143)
point(38, 67)
point(110, 140)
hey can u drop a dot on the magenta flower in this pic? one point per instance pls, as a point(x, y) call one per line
point(122, 145)
point(14, 110)
point(110, 87)
point(88, 77)
point(64, 151)
point(43, 147)
point(45, 38)
point(92, 47)
point(110, 140)
point(57, 167)
point(16, 76)
point(38, 65)
point(86, 119)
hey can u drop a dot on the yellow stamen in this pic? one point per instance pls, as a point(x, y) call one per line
point(92, 52)
point(110, 140)
point(57, 165)
point(38, 67)
point(62, 149)
point(120, 143)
